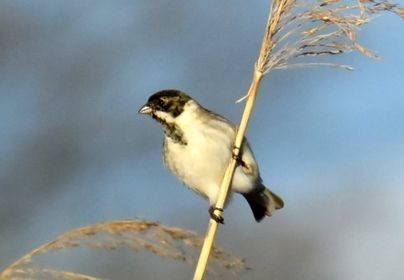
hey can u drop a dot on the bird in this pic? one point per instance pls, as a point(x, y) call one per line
point(197, 147)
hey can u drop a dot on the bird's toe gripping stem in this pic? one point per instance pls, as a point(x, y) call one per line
point(219, 219)
point(237, 157)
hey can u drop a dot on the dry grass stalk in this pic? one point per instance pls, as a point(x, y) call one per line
point(318, 28)
point(297, 29)
point(169, 242)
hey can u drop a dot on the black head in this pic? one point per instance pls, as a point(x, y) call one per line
point(170, 101)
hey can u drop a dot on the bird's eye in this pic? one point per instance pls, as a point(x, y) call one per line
point(160, 103)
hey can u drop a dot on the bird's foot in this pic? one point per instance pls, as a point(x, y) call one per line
point(236, 156)
point(219, 219)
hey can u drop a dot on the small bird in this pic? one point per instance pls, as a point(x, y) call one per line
point(197, 148)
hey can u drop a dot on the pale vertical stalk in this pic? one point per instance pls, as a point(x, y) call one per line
point(259, 70)
point(228, 176)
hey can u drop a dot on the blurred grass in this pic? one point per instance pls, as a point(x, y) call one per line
point(137, 235)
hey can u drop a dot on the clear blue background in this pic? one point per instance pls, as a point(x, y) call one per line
point(74, 151)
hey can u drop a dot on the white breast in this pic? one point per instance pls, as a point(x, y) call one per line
point(202, 162)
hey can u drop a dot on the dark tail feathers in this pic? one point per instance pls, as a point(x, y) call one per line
point(263, 202)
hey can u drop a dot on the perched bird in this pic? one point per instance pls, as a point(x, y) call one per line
point(197, 148)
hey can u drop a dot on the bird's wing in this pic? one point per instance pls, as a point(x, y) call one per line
point(248, 162)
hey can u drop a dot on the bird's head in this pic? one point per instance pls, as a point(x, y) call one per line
point(165, 105)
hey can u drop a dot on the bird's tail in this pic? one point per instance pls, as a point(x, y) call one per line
point(263, 202)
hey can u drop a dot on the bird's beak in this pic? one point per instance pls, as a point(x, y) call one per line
point(145, 110)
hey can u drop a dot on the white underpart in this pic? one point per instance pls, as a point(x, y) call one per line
point(202, 162)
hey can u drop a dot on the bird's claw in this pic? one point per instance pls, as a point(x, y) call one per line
point(219, 219)
point(236, 154)
point(237, 157)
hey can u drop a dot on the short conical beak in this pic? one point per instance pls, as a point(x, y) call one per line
point(145, 110)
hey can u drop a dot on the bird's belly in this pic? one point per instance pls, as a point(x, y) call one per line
point(200, 166)
point(201, 163)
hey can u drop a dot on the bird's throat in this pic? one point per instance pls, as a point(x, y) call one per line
point(172, 131)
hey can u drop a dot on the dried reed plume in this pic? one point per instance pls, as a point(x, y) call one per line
point(137, 235)
point(317, 28)
point(297, 30)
